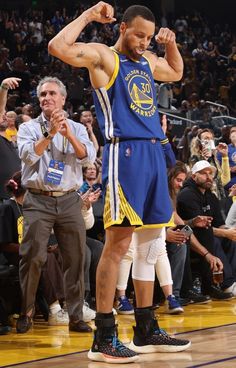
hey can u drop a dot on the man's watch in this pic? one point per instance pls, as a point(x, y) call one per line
point(48, 135)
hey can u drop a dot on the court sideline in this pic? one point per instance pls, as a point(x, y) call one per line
point(210, 327)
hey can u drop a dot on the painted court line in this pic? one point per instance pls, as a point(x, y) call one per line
point(204, 329)
point(179, 333)
point(212, 362)
point(42, 359)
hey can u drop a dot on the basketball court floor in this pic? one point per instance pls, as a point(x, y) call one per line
point(210, 327)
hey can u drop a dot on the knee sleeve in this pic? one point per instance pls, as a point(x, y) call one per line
point(162, 265)
point(124, 268)
point(145, 254)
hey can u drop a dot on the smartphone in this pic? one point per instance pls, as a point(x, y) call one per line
point(186, 230)
point(208, 144)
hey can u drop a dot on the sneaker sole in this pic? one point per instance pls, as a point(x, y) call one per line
point(125, 312)
point(158, 348)
point(204, 302)
point(175, 310)
point(223, 299)
point(100, 357)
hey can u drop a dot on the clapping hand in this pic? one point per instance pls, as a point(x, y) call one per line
point(59, 123)
point(90, 197)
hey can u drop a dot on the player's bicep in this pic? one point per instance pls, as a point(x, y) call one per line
point(163, 71)
point(79, 54)
point(84, 55)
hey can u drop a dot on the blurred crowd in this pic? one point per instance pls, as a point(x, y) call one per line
point(208, 50)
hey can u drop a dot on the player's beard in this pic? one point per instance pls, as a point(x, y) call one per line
point(130, 52)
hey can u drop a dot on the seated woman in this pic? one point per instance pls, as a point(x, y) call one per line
point(91, 178)
point(203, 148)
point(92, 182)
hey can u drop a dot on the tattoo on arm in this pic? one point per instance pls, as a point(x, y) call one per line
point(80, 54)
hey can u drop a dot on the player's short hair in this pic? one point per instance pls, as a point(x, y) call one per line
point(138, 11)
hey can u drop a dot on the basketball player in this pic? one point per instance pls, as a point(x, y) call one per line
point(134, 169)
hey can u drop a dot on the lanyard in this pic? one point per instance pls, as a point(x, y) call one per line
point(64, 142)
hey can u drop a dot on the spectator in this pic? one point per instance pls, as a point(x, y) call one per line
point(231, 157)
point(11, 131)
point(19, 69)
point(231, 216)
point(10, 161)
point(204, 148)
point(91, 178)
point(196, 199)
point(86, 118)
point(53, 148)
point(178, 251)
point(92, 182)
point(28, 109)
point(57, 21)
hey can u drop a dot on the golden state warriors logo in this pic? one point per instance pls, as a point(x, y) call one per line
point(141, 93)
point(233, 157)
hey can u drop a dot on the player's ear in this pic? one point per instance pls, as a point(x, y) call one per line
point(123, 27)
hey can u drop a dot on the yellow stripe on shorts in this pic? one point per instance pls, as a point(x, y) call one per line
point(170, 223)
point(125, 210)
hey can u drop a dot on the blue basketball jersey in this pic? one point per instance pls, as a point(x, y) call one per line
point(127, 106)
point(134, 168)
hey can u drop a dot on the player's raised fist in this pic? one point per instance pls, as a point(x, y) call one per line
point(101, 12)
point(165, 36)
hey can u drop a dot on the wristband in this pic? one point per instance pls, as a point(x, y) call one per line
point(204, 255)
point(4, 87)
point(49, 136)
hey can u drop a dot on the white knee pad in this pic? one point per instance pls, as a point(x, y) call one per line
point(162, 265)
point(124, 269)
point(145, 253)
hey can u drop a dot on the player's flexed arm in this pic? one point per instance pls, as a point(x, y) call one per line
point(169, 68)
point(92, 55)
